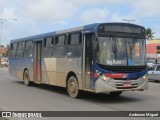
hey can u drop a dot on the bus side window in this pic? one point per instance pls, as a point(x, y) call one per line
point(29, 44)
point(61, 40)
point(28, 52)
point(20, 51)
point(74, 45)
point(48, 47)
point(13, 50)
point(60, 47)
point(15, 46)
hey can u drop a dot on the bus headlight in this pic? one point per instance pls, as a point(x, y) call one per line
point(145, 77)
point(103, 77)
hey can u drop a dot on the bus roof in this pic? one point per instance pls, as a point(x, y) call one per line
point(86, 27)
point(93, 26)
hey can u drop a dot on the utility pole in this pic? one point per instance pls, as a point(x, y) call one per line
point(1, 28)
point(128, 21)
point(1, 22)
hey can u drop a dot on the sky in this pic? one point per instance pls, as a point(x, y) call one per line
point(22, 18)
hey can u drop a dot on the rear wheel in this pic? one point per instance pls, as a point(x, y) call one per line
point(73, 87)
point(114, 94)
point(26, 78)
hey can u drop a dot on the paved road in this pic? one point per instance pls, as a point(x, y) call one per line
point(14, 96)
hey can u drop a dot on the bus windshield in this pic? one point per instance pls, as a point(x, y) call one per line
point(121, 51)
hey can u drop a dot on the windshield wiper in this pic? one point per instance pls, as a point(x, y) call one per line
point(130, 49)
point(114, 48)
point(131, 46)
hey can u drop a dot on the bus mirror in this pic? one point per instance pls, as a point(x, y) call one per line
point(95, 44)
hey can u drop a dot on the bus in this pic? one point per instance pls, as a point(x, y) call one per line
point(101, 58)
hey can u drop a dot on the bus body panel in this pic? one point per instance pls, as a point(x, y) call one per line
point(18, 66)
point(49, 71)
point(74, 65)
point(61, 71)
point(12, 66)
point(55, 70)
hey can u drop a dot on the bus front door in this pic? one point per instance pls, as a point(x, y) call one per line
point(87, 61)
point(37, 61)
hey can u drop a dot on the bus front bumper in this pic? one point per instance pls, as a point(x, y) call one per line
point(102, 86)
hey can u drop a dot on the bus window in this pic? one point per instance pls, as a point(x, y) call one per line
point(60, 48)
point(28, 52)
point(11, 47)
point(74, 45)
point(60, 40)
point(74, 39)
point(20, 51)
point(15, 46)
point(48, 47)
point(29, 44)
point(49, 42)
point(13, 50)
point(21, 46)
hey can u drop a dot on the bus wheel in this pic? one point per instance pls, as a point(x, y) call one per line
point(26, 78)
point(73, 87)
point(114, 94)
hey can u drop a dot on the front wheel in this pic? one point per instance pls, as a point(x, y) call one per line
point(114, 94)
point(73, 87)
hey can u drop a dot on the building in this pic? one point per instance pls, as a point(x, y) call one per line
point(3, 50)
point(152, 52)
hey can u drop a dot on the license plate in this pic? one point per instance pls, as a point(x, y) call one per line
point(127, 85)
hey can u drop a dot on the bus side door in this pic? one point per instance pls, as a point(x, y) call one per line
point(87, 60)
point(37, 61)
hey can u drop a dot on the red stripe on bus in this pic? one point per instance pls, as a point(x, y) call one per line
point(95, 75)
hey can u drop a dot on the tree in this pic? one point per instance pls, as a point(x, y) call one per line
point(149, 33)
point(6, 53)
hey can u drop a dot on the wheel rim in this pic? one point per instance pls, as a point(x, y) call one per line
point(72, 87)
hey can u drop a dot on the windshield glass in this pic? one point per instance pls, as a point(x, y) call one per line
point(121, 51)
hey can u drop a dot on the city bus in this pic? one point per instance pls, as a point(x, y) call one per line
point(104, 58)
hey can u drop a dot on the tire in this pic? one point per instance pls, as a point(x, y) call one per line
point(73, 87)
point(115, 94)
point(26, 78)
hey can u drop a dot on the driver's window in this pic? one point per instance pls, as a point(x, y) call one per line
point(158, 68)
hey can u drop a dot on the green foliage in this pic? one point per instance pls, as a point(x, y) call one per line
point(149, 33)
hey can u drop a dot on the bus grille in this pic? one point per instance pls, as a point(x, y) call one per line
point(120, 84)
point(123, 69)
